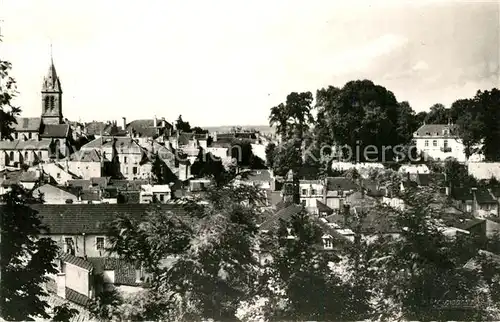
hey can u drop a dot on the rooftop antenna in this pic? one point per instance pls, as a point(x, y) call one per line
point(51, 56)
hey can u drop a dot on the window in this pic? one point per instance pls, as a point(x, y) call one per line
point(46, 103)
point(304, 191)
point(69, 245)
point(134, 170)
point(313, 192)
point(303, 202)
point(30, 136)
point(26, 156)
point(124, 159)
point(327, 242)
point(162, 198)
point(52, 102)
point(16, 135)
point(445, 143)
point(11, 156)
point(59, 175)
point(434, 143)
point(99, 243)
point(40, 154)
point(126, 170)
point(426, 143)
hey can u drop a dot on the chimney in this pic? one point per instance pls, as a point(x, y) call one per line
point(155, 122)
point(408, 175)
point(124, 123)
point(61, 285)
point(474, 201)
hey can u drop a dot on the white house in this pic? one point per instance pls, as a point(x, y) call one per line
point(439, 142)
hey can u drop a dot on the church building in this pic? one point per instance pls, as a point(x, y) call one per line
point(42, 138)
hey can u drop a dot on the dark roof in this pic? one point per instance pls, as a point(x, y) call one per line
point(90, 195)
point(495, 191)
point(19, 144)
point(27, 124)
point(103, 128)
point(78, 298)
point(483, 196)
point(28, 176)
point(131, 185)
point(323, 208)
point(11, 177)
point(283, 214)
point(124, 271)
point(100, 181)
point(77, 261)
point(145, 127)
point(434, 129)
point(86, 156)
point(340, 183)
point(83, 183)
point(91, 218)
point(55, 130)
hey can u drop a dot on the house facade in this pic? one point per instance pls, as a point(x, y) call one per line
point(439, 142)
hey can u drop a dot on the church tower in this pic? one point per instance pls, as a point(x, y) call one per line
point(52, 97)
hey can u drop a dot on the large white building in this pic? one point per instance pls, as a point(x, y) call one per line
point(439, 142)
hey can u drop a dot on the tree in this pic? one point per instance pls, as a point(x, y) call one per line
point(288, 155)
point(438, 114)
point(64, 313)
point(407, 122)
point(270, 150)
point(212, 244)
point(25, 257)
point(180, 125)
point(293, 118)
point(457, 175)
point(359, 115)
point(469, 127)
point(199, 130)
point(422, 270)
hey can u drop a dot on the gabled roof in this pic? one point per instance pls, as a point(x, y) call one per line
point(256, 175)
point(434, 129)
point(29, 176)
point(86, 156)
point(340, 183)
point(55, 130)
point(145, 127)
point(124, 271)
point(48, 189)
point(77, 261)
point(103, 128)
point(78, 298)
point(283, 214)
point(92, 218)
point(122, 144)
point(27, 124)
point(483, 196)
point(323, 208)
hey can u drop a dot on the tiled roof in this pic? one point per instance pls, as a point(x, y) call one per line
point(340, 183)
point(434, 129)
point(86, 156)
point(133, 185)
point(100, 181)
point(77, 261)
point(103, 128)
point(55, 130)
point(483, 196)
point(323, 208)
point(123, 144)
point(29, 176)
point(90, 195)
point(11, 177)
point(78, 298)
point(145, 127)
point(27, 124)
point(124, 271)
point(83, 183)
point(283, 214)
point(92, 218)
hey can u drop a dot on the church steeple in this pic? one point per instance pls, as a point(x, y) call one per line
point(51, 95)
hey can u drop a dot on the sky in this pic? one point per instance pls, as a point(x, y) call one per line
point(227, 62)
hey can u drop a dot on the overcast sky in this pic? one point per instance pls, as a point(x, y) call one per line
point(222, 62)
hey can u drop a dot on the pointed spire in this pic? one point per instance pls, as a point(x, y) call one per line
point(51, 82)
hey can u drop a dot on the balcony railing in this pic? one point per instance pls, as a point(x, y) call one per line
point(445, 149)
